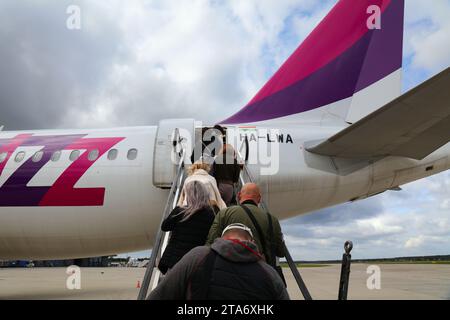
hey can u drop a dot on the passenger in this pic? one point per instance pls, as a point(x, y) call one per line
point(265, 227)
point(221, 133)
point(212, 140)
point(216, 139)
point(189, 225)
point(231, 269)
point(203, 151)
point(199, 171)
point(226, 170)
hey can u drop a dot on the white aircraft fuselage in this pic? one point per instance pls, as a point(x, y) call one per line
point(126, 216)
point(330, 126)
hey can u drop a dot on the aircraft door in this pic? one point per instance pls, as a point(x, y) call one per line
point(172, 136)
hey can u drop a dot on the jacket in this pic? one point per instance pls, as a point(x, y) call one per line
point(185, 235)
point(236, 214)
point(238, 273)
point(226, 168)
point(210, 183)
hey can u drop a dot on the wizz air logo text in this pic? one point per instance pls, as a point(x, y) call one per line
point(15, 192)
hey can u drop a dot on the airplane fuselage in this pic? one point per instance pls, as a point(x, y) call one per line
point(73, 207)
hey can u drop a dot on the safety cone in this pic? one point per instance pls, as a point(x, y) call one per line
point(138, 285)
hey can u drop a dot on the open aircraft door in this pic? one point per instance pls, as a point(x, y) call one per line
point(172, 137)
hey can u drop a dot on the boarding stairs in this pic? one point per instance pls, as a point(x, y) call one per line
point(246, 177)
point(152, 274)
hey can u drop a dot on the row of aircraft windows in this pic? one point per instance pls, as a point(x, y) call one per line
point(74, 155)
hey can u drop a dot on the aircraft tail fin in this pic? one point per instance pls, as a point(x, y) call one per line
point(350, 64)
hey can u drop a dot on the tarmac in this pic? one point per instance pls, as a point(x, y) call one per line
point(397, 281)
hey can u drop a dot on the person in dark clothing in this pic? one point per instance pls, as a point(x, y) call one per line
point(212, 140)
point(231, 269)
point(189, 225)
point(226, 170)
point(221, 129)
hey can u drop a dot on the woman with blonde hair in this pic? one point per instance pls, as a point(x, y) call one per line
point(199, 171)
point(189, 224)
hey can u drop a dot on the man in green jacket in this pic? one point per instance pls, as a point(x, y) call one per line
point(250, 197)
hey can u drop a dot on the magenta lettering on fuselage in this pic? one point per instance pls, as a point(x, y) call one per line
point(15, 192)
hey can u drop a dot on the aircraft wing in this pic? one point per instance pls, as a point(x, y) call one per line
point(413, 125)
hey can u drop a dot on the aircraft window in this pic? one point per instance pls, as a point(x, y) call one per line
point(38, 156)
point(112, 154)
point(20, 156)
point(132, 154)
point(74, 155)
point(56, 156)
point(3, 156)
point(93, 155)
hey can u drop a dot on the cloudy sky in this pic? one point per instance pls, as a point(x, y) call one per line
point(136, 62)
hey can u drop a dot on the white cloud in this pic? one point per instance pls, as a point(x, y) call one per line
point(196, 58)
point(376, 227)
point(414, 242)
point(427, 38)
point(445, 204)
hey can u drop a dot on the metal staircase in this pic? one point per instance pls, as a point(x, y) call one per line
point(246, 177)
point(152, 273)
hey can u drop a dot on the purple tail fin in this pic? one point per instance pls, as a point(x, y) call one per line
point(344, 55)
